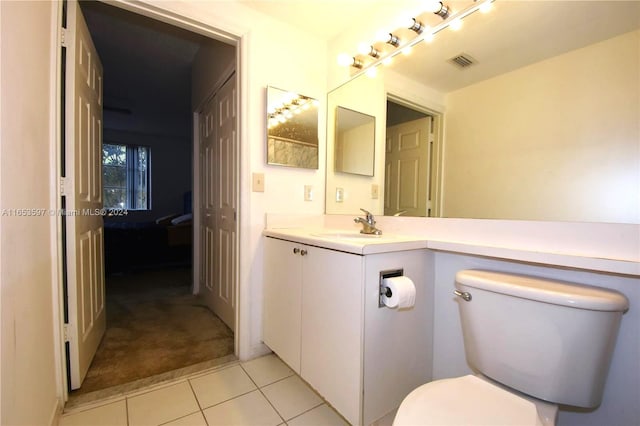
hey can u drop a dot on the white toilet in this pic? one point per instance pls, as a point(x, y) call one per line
point(534, 343)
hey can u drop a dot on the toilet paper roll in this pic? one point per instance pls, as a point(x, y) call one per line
point(403, 292)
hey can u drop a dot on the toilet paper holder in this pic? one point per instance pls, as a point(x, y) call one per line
point(384, 290)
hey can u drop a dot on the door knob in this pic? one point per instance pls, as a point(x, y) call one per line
point(303, 252)
point(296, 250)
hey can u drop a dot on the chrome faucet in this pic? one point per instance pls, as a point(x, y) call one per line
point(368, 224)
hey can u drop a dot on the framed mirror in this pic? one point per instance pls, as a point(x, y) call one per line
point(355, 142)
point(292, 129)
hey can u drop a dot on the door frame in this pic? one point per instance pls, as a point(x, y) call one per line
point(238, 37)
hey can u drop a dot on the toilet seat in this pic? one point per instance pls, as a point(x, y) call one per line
point(469, 401)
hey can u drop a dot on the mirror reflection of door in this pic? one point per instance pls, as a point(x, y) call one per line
point(408, 162)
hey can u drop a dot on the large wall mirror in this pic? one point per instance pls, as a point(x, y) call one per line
point(543, 125)
point(292, 129)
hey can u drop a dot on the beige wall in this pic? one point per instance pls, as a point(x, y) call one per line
point(28, 381)
point(556, 140)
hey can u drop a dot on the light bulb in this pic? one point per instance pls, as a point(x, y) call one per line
point(372, 72)
point(364, 49)
point(486, 7)
point(344, 60)
point(433, 6)
point(407, 50)
point(383, 36)
point(387, 61)
point(456, 24)
point(367, 49)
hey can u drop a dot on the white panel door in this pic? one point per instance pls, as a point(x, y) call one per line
point(219, 183)
point(208, 166)
point(224, 298)
point(407, 167)
point(83, 194)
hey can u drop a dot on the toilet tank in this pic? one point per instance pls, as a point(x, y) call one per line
point(549, 339)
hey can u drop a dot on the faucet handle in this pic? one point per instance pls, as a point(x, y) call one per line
point(367, 213)
point(369, 216)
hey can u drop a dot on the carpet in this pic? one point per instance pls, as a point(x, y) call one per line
point(154, 325)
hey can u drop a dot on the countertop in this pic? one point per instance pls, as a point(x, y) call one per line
point(347, 240)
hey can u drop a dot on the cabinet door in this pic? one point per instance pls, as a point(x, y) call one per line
point(332, 315)
point(282, 300)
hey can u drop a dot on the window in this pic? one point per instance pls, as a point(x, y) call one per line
point(126, 177)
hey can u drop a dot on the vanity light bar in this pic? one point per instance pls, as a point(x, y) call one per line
point(423, 34)
point(288, 109)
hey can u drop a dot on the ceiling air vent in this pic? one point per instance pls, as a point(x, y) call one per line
point(463, 60)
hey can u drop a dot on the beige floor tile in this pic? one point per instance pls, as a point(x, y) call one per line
point(106, 415)
point(162, 405)
point(195, 419)
point(251, 409)
point(319, 416)
point(266, 370)
point(221, 385)
point(291, 397)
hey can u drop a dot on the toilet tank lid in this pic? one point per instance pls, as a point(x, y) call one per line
point(545, 290)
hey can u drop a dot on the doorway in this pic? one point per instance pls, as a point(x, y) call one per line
point(150, 93)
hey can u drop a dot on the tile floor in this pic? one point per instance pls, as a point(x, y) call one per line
point(263, 391)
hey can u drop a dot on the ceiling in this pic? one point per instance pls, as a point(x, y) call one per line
point(514, 34)
point(323, 18)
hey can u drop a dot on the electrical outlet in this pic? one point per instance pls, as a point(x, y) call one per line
point(308, 193)
point(339, 195)
point(374, 191)
point(258, 182)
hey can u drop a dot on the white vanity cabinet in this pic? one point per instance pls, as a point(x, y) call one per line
point(313, 318)
point(321, 317)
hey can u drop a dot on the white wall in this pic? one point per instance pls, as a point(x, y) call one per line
point(556, 140)
point(29, 367)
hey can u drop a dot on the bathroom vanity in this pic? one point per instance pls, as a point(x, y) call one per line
point(322, 316)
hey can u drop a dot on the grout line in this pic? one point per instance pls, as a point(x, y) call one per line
point(263, 395)
point(310, 409)
point(194, 394)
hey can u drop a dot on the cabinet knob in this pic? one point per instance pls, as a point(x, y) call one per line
point(296, 250)
point(303, 252)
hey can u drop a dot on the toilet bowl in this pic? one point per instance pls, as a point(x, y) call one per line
point(535, 343)
point(472, 401)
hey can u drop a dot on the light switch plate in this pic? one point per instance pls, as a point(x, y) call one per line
point(339, 195)
point(258, 182)
point(374, 191)
point(308, 193)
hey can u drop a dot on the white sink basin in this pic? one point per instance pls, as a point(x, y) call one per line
point(346, 235)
